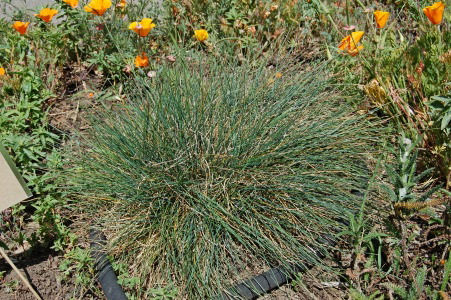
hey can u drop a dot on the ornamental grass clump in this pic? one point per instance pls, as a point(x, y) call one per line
point(212, 170)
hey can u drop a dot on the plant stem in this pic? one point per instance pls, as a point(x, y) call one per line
point(405, 254)
point(347, 13)
point(361, 4)
point(370, 183)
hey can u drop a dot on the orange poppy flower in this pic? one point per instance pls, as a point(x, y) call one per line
point(47, 14)
point(355, 51)
point(2, 72)
point(435, 12)
point(98, 7)
point(381, 18)
point(142, 28)
point(71, 3)
point(121, 4)
point(141, 60)
point(349, 43)
point(21, 27)
point(201, 35)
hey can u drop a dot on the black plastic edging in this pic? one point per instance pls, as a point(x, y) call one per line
point(259, 285)
point(247, 290)
point(270, 280)
point(105, 272)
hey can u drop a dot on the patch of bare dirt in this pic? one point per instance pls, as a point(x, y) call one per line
point(315, 284)
point(41, 270)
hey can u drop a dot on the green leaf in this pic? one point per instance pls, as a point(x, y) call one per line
point(446, 273)
point(445, 100)
point(373, 235)
point(390, 192)
point(445, 121)
point(3, 245)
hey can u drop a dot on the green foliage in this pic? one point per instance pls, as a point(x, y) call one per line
point(441, 112)
point(400, 236)
point(124, 278)
point(417, 66)
point(132, 283)
point(24, 132)
point(21, 125)
point(400, 71)
point(446, 273)
point(358, 295)
point(363, 241)
point(210, 154)
point(415, 291)
point(366, 243)
point(246, 24)
point(78, 264)
point(163, 293)
point(404, 179)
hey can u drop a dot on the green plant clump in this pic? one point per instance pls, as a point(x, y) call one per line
point(214, 169)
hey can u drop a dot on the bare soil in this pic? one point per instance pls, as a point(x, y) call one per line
point(41, 270)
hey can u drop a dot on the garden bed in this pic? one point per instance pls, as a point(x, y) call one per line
point(110, 114)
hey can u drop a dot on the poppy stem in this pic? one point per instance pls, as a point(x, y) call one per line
point(347, 13)
point(439, 35)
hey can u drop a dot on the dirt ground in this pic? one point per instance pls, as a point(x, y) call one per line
point(41, 269)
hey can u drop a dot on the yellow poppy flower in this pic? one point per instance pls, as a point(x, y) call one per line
point(21, 27)
point(2, 72)
point(435, 12)
point(141, 60)
point(142, 28)
point(349, 43)
point(381, 18)
point(71, 3)
point(46, 14)
point(201, 35)
point(98, 7)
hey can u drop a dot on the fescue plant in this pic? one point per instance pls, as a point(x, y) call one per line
point(212, 171)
